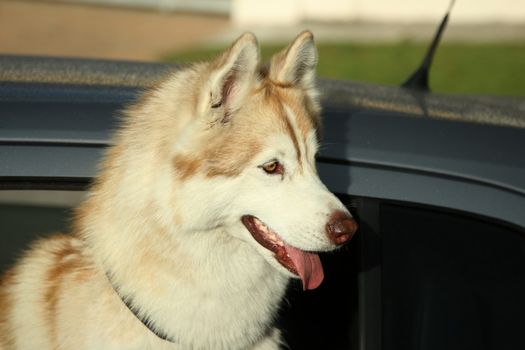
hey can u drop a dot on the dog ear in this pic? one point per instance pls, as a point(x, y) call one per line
point(296, 64)
point(232, 74)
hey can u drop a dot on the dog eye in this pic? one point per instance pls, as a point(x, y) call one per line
point(273, 167)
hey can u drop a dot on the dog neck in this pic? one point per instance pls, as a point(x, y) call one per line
point(141, 316)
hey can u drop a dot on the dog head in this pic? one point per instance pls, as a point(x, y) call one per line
point(243, 156)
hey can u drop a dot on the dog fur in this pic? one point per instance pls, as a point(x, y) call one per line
point(214, 151)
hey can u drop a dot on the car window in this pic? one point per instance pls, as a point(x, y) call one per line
point(27, 215)
point(450, 280)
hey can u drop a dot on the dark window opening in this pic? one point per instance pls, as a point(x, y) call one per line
point(450, 281)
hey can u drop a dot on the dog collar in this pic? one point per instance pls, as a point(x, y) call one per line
point(143, 318)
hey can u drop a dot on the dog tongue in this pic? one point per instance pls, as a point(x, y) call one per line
point(308, 265)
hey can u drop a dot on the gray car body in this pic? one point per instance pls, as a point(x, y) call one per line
point(462, 153)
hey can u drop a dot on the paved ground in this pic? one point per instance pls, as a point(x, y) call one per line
point(102, 32)
point(45, 28)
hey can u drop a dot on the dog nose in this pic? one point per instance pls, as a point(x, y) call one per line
point(341, 227)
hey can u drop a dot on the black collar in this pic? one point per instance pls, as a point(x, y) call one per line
point(141, 316)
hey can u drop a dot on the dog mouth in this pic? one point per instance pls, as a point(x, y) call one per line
point(303, 264)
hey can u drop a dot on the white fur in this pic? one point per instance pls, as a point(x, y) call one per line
point(175, 243)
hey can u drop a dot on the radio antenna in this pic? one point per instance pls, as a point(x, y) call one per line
point(419, 79)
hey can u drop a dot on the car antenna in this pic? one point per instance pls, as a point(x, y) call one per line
point(419, 79)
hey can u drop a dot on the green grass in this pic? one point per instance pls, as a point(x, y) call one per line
point(495, 69)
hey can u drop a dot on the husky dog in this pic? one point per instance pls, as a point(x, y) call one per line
point(206, 206)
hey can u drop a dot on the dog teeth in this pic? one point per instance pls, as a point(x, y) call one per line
point(261, 226)
point(270, 235)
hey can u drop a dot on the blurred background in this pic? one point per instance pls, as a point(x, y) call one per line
point(379, 41)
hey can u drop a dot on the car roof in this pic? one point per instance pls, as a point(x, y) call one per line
point(459, 152)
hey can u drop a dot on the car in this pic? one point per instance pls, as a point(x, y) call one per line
point(436, 181)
